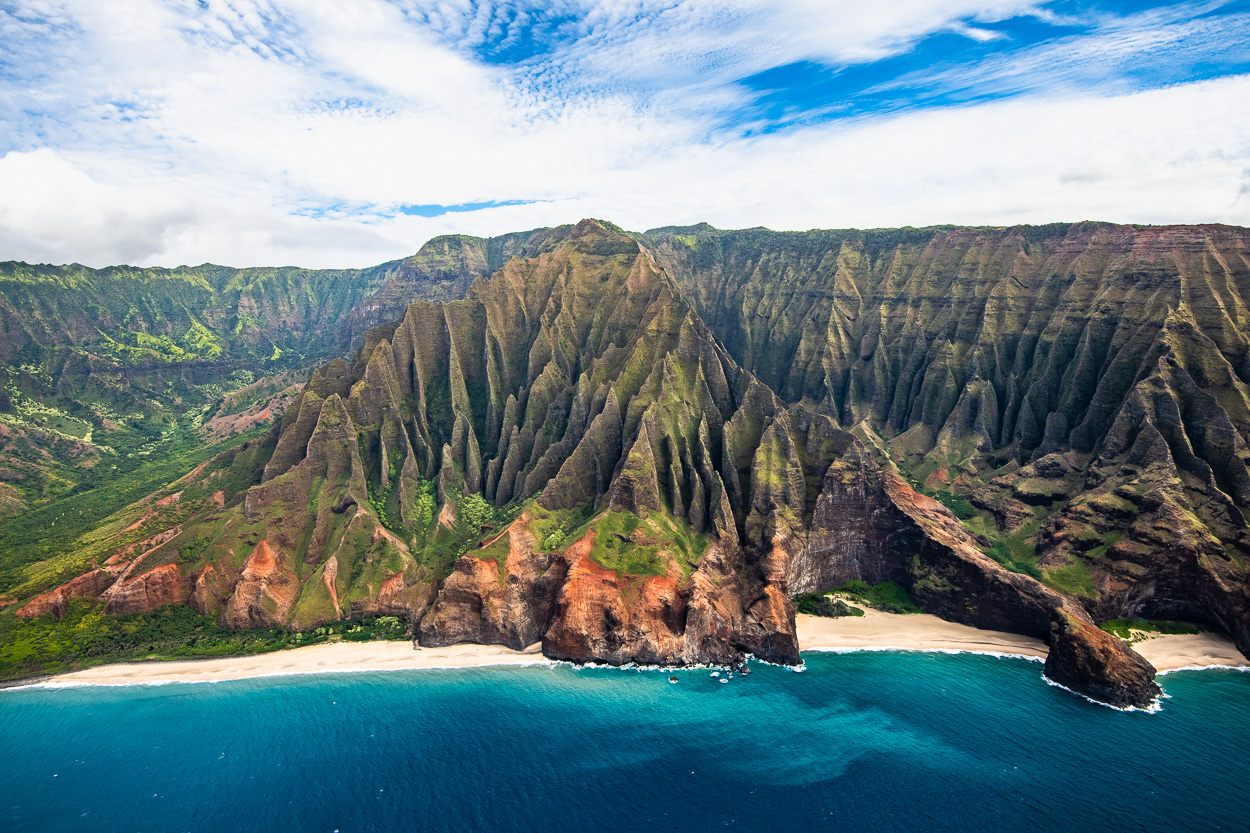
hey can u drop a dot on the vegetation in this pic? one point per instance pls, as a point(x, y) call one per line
point(116, 481)
point(554, 529)
point(1124, 628)
point(822, 604)
point(886, 596)
point(643, 545)
point(1016, 554)
point(1072, 579)
point(473, 512)
point(958, 504)
point(85, 636)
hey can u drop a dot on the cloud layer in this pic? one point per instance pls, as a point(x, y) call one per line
point(343, 134)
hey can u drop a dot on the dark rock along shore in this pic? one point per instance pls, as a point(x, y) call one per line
point(754, 411)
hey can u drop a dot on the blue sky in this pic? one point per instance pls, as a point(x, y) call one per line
point(346, 133)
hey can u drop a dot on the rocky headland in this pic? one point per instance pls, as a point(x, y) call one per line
point(640, 448)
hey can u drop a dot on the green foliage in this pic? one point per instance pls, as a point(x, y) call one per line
point(116, 481)
point(1123, 628)
point(554, 529)
point(473, 512)
point(822, 604)
point(424, 506)
point(367, 629)
point(958, 504)
point(378, 500)
point(1018, 558)
point(85, 636)
point(1072, 579)
point(190, 552)
point(642, 546)
point(437, 548)
point(886, 596)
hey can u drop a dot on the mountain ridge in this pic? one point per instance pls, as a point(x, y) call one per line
point(518, 407)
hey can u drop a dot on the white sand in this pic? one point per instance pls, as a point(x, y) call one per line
point(872, 631)
point(914, 632)
point(1202, 650)
point(921, 632)
point(312, 659)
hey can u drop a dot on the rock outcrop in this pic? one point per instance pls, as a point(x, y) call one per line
point(641, 451)
point(1086, 659)
point(265, 591)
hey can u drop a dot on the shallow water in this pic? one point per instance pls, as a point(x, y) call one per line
point(865, 741)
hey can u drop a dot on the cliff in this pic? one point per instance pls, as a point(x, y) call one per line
point(639, 448)
point(1081, 390)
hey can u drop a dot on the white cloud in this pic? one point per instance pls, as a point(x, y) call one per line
point(51, 211)
point(270, 131)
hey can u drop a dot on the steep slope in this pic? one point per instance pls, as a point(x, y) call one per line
point(115, 381)
point(1086, 387)
point(443, 270)
point(567, 455)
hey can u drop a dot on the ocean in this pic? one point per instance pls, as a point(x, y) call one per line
point(858, 742)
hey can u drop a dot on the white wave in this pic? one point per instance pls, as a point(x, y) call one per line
point(1206, 668)
point(58, 684)
point(983, 653)
point(1156, 705)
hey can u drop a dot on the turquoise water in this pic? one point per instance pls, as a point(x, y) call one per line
point(867, 741)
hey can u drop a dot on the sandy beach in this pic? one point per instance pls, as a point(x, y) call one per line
point(921, 632)
point(872, 631)
point(312, 659)
point(914, 632)
point(1201, 650)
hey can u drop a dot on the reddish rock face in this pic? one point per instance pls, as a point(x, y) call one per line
point(87, 586)
point(210, 591)
point(159, 586)
point(600, 616)
point(477, 604)
point(397, 598)
point(265, 592)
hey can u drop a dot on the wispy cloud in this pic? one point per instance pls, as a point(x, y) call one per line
point(333, 133)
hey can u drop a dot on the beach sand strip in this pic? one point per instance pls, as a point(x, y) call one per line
point(872, 631)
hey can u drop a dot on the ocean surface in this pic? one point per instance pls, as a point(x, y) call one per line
point(857, 742)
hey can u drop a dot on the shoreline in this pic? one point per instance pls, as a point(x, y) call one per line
point(326, 658)
point(877, 631)
point(874, 631)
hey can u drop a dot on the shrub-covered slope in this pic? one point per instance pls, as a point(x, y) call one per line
point(567, 455)
point(115, 381)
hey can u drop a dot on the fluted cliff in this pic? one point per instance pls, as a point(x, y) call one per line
point(639, 448)
point(1084, 386)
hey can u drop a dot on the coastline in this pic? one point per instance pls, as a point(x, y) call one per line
point(1190, 652)
point(874, 631)
point(327, 658)
point(877, 631)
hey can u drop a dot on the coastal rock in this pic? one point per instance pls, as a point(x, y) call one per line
point(600, 616)
point(676, 402)
point(1088, 660)
point(488, 603)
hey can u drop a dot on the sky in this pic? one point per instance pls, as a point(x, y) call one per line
point(345, 133)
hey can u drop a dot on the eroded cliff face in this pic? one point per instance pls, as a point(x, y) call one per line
point(1084, 386)
point(570, 455)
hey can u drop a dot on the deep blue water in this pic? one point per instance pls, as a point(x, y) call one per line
point(860, 742)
